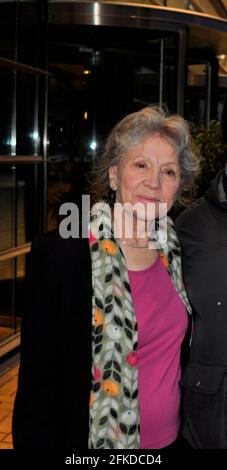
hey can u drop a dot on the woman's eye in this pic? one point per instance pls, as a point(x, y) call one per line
point(141, 165)
point(169, 172)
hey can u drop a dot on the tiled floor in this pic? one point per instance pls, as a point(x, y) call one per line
point(8, 385)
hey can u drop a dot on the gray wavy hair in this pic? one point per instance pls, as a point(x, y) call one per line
point(133, 129)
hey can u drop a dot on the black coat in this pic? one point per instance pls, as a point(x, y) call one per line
point(202, 232)
point(51, 408)
point(52, 402)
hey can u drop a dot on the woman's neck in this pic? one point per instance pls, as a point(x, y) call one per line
point(132, 231)
point(138, 258)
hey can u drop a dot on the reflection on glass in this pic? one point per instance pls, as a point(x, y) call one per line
point(21, 235)
point(27, 133)
point(29, 202)
point(20, 290)
point(7, 207)
point(12, 292)
point(20, 204)
point(21, 130)
point(6, 293)
point(144, 93)
point(6, 100)
point(97, 80)
point(196, 93)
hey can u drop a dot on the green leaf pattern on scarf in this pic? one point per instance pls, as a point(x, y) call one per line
point(114, 407)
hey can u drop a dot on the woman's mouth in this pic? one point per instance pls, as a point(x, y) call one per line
point(148, 199)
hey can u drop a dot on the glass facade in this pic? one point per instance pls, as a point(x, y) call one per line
point(66, 78)
point(92, 87)
point(22, 95)
point(95, 80)
point(12, 285)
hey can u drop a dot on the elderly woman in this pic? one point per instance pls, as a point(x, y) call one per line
point(101, 339)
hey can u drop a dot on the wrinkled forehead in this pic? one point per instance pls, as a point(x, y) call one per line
point(150, 148)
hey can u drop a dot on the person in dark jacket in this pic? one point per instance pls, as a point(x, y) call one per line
point(202, 231)
point(86, 379)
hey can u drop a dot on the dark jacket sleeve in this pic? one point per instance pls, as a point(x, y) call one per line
point(34, 417)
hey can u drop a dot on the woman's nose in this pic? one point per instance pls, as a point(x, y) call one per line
point(153, 178)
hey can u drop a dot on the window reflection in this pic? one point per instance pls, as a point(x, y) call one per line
point(98, 76)
point(6, 290)
point(95, 83)
point(12, 286)
point(28, 136)
point(7, 207)
point(20, 204)
point(6, 100)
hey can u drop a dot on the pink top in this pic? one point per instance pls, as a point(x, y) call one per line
point(162, 323)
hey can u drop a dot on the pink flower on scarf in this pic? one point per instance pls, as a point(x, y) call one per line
point(97, 374)
point(132, 359)
point(92, 238)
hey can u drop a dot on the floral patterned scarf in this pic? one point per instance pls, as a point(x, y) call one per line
point(114, 407)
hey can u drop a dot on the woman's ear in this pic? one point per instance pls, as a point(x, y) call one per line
point(113, 177)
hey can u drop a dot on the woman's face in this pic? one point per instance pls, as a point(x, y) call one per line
point(147, 173)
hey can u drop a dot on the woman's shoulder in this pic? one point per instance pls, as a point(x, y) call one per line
point(51, 244)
